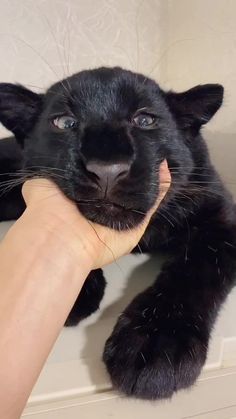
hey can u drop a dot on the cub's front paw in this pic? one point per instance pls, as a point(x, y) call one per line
point(154, 352)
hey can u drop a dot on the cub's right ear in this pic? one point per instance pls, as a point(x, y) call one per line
point(19, 109)
point(195, 107)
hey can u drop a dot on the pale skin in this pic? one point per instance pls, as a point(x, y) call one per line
point(44, 260)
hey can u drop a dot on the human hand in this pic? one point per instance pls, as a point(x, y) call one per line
point(101, 244)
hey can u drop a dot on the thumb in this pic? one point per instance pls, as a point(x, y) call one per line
point(38, 189)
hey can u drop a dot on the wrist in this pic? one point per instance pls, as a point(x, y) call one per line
point(49, 235)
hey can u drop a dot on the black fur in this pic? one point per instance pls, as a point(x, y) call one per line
point(160, 342)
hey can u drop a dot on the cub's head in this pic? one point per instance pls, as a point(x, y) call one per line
point(102, 134)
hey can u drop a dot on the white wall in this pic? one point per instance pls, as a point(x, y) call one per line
point(202, 49)
point(43, 40)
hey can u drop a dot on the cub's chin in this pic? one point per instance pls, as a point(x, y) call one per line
point(111, 215)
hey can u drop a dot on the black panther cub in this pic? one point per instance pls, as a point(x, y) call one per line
point(101, 136)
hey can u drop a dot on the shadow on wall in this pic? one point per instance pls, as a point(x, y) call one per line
point(222, 149)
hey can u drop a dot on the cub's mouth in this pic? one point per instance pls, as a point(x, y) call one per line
point(111, 214)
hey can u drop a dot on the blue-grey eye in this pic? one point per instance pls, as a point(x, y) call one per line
point(144, 120)
point(64, 122)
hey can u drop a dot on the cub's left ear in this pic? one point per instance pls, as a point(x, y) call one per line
point(19, 109)
point(196, 106)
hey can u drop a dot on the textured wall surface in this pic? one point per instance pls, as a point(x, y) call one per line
point(41, 41)
point(202, 49)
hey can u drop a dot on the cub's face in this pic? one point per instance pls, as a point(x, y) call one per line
point(102, 134)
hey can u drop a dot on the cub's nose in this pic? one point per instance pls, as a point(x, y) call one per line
point(107, 175)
